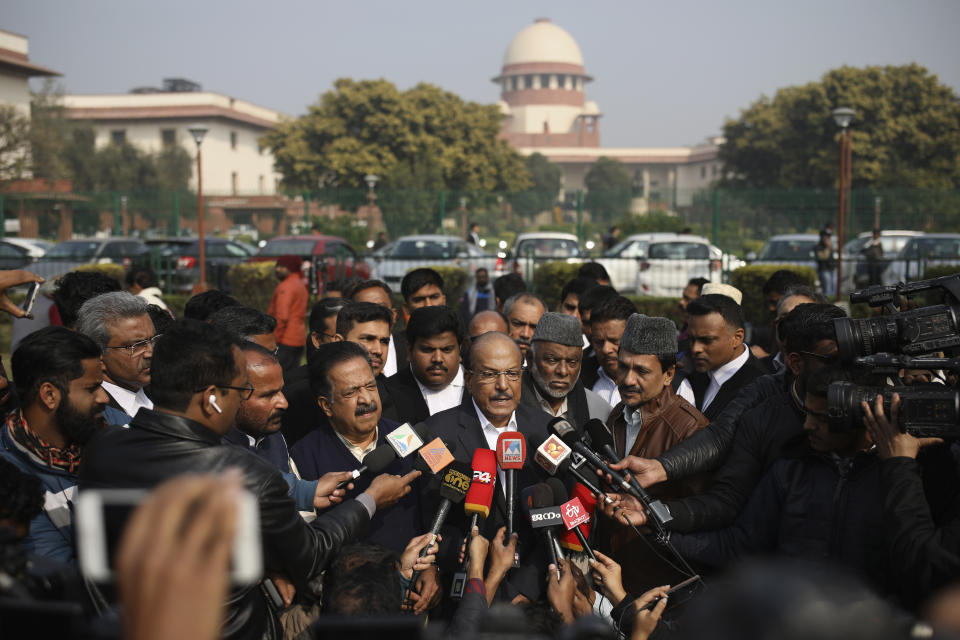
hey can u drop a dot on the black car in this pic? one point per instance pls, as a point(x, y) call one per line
point(176, 261)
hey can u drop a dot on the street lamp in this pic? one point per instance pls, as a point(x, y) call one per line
point(198, 131)
point(843, 117)
point(463, 217)
point(371, 180)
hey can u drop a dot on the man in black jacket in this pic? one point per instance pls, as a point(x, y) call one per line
point(198, 380)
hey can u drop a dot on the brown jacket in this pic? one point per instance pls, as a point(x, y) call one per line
point(667, 420)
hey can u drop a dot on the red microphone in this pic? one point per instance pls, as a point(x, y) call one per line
point(511, 454)
point(575, 537)
point(480, 496)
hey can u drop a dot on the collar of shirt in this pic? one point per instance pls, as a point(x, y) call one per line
point(448, 397)
point(129, 401)
point(778, 363)
point(356, 451)
point(492, 433)
point(606, 387)
point(724, 373)
point(390, 366)
point(545, 405)
point(255, 441)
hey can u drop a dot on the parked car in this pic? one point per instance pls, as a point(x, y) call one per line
point(15, 253)
point(392, 261)
point(789, 249)
point(70, 254)
point(177, 261)
point(855, 268)
point(928, 250)
point(530, 250)
point(651, 263)
point(340, 258)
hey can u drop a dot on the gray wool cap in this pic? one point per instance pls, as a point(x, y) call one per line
point(647, 335)
point(559, 328)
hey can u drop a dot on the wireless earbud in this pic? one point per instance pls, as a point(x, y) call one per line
point(213, 403)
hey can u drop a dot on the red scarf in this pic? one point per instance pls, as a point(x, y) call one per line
point(67, 458)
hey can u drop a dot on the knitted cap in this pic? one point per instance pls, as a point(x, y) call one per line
point(723, 290)
point(652, 336)
point(559, 328)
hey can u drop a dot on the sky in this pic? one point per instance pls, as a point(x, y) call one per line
point(665, 73)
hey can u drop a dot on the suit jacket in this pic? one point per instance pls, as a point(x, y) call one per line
point(400, 346)
point(745, 375)
point(580, 405)
point(408, 401)
point(588, 370)
point(461, 427)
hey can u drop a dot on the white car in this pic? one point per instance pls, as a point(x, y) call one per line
point(856, 274)
point(928, 250)
point(530, 250)
point(392, 261)
point(666, 262)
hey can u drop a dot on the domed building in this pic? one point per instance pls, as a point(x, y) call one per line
point(544, 102)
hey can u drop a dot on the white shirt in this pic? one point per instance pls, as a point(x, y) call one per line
point(634, 422)
point(606, 388)
point(446, 398)
point(492, 433)
point(129, 401)
point(717, 377)
point(357, 451)
point(390, 366)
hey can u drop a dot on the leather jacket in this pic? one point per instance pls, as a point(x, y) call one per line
point(158, 446)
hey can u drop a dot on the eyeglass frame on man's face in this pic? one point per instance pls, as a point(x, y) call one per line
point(142, 345)
point(488, 377)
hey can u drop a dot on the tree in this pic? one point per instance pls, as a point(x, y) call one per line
point(546, 178)
point(423, 138)
point(906, 132)
point(609, 189)
point(14, 143)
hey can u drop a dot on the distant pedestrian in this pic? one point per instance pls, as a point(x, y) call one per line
point(611, 238)
point(381, 241)
point(479, 297)
point(826, 264)
point(474, 236)
point(873, 253)
point(289, 306)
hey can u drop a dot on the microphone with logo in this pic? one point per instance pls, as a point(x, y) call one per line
point(576, 516)
point(400, 443)
point(476, 505)
point(511, 454)
point(538, 503)
point(454, 485)
point(555, 456)
point(434, 456)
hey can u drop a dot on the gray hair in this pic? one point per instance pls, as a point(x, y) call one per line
point(804, 290)
point(108, 307)
point(523, 296)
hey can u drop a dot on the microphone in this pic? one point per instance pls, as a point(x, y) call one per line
point(587, 481)
point(435, 456)
point(401, 442)
point(477, 505)
point(551, 454)
point(600, 438)
point(454, 485)
point(577, 516)
point(570, 436)
point(511, 455)
point(538, 504)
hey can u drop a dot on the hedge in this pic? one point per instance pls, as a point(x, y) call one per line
point(252, 283)
point(750, 280)
point(938, 271)
point(658, 307)
point(549, 279)
point(454, 283)
point(114, 271)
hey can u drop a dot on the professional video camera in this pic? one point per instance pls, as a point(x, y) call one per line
point(926, 410)
point(923, 330)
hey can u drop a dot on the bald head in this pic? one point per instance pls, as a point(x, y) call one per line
point(495, 342)
point(486, 321)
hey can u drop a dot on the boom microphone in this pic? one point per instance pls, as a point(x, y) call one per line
point(511, 455)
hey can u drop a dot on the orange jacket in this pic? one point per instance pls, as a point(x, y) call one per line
point(289, 306)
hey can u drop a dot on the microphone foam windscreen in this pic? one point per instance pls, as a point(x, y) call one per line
point(511, 450)
point(560, 494)
point(480, 495)
point(379, 459)
point(455, 481)
point(563, 430)
point(599, 435)
point(536, 496)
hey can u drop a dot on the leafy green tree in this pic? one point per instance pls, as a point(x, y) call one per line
point(609, 189)
point(14, 143)
point(546, 177)
point(906, 132)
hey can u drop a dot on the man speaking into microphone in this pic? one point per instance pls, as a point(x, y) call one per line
point(491, 407)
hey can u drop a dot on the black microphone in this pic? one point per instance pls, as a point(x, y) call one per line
point(400, 443)
point(566, 432)
point(374, 462)
point(601, 438)
point(537, 501)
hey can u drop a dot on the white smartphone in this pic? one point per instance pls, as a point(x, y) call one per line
point(31, 298)
point(101, 515)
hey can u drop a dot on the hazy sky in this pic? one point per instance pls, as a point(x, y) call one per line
point(666, 73)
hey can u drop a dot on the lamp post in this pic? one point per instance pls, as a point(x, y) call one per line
point(463, 217)
point(371, 180)
point(198, 131)
point(842, 116)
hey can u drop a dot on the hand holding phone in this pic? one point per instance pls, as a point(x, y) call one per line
point(13, 278)
point(27, 306)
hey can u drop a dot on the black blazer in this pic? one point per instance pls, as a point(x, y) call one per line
point(408, 402)
point(400, 345)
point(750, 371)
point(461, 426)
point(588, 371)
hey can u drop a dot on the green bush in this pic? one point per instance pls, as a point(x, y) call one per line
point(114, 271)
point(176, 302)
point(252, 283)
point(940, 270)
point(750, 280)
point(454, 283)
point(658, 307)
point(549, 278)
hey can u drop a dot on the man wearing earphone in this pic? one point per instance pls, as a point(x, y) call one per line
point(198, 381)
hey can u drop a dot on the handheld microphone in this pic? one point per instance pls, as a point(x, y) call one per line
point(584, 479)
point(477, 505)
point(569, 435)
point(551, 454)
point(375, 462)
point(511, 455)
point(454, 485)
point(401, 442)
point(600, 438)
point(577, 516)
point(538, 504)
point(435, 456)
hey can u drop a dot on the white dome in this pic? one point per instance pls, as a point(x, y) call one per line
point(543, 41)
point(590, 108)
point(504, 108)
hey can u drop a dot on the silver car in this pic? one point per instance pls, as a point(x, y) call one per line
point(392, 261)
point(661, 264)
point(530, 250)
point(928, 250)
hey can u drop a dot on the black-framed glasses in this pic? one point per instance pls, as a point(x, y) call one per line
point(488, 377)
point(245, 392)
point(139, 347)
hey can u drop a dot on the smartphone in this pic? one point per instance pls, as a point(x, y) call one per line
point(689, 583)
point(101, 515)
point(27, 305)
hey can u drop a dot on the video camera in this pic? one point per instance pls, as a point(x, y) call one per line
point(901, 340)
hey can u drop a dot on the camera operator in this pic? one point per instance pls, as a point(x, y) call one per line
point(922, 530)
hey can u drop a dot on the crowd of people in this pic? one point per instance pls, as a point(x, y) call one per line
point(721, 502)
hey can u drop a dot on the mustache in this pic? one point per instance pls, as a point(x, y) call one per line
point(438, 367)
point(629, 389)
point(501, 396)
point(523, 341)
point(364, 409)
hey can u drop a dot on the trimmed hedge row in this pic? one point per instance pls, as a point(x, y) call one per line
point(750, 281)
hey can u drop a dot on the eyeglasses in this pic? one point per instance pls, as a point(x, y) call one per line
point(246, 391)
point(488, 377)
point(139, 347)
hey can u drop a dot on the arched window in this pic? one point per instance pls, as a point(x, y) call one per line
point(561, 81)
point(544, 81)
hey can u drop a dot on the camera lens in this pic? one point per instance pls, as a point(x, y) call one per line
point(865, 336)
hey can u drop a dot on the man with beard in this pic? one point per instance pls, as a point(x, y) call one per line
point(523, 312)
point(257, 429)
point(120, 324)
point(58, 378)
point(552, 381)
point(434, 380)
point(607, 322)
point(289, 306)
